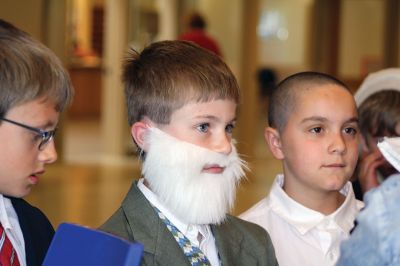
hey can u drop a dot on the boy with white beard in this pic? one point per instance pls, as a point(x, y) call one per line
point(182, 104)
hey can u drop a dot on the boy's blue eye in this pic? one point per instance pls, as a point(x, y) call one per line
point(203, 127)
point(229, 128)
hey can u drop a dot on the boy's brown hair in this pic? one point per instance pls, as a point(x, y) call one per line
point(167, 75)
point(284, 98)
point(379, 114)
point(29, 70)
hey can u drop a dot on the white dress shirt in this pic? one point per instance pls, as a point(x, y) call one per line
point(302, 236)
point(9, 220)
point(206, 243)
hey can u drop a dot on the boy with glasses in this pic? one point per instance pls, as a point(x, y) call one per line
point(34, 90)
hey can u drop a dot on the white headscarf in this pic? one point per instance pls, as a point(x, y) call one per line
point(386, 79)
point(390, 148)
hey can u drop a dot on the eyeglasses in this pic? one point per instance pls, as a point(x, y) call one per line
point(46, 136)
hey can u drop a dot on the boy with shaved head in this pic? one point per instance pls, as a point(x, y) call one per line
point(313, 130)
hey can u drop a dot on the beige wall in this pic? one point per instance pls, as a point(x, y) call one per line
point(81, 18)
point(287, 24)
point(168, 19)
point(113, 116)
point(27, 15)
point(361, 36)
point(225, 25)
point(44, 20)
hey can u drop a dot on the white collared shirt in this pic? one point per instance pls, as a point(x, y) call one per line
point(191, 231)
point(9, 220)
point(302, 236)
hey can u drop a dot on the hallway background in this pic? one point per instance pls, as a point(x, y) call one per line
point(345, 38)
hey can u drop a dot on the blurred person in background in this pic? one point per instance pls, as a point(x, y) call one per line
point(195, 32)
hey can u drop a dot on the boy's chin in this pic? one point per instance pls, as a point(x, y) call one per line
point(17, 194)
point(337, 184)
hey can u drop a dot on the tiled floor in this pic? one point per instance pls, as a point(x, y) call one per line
point(82, 190)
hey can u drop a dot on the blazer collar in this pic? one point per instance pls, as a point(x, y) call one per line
point(149, 230)
point(30, 254)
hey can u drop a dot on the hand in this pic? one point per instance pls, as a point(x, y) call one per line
point(369, 164)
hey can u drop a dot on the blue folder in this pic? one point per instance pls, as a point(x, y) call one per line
point(76, 245)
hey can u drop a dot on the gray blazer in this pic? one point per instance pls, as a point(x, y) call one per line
point(238, 242)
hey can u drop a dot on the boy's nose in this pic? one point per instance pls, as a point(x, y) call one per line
point(223, 145)
point(338, 144)
point(48, 154)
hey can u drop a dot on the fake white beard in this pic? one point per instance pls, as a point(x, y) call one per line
point(173, 170)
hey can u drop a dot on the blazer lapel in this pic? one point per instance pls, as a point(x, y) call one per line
point(228, 242)
point(160, 246)
point(24, 224)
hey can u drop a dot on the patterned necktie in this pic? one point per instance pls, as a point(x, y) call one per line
point(193, 253)
point(8, 256)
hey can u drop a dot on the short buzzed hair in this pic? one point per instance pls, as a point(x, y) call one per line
point(29, 70)
point(166, 75)
point(284, 99)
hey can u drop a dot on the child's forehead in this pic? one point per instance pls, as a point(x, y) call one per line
point(329, 99)
point(317, 92)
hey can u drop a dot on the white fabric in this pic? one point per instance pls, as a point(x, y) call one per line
point(191, 231)
point(9, 220)
point(302, 236)
point(386, 79)
point(390, 148)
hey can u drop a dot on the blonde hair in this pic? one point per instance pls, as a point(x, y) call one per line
point(168, 74)
point(29, 70)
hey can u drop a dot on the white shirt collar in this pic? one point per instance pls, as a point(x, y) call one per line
point(304, 219)
point(10, 222)
point(5, 204)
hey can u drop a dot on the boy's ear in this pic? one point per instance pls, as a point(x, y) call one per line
point(273, 139)
point(364, 145)
point(138, 132)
